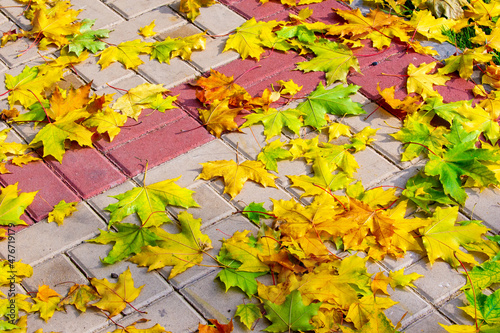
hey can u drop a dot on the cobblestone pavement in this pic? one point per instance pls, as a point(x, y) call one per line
point(90, 176)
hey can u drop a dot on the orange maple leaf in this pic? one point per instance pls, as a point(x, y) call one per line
point(219, 87)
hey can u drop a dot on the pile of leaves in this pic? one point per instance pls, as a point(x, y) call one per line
point(316, 285)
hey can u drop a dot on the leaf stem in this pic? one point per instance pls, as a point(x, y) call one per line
point(43, 107)
point(472, 287)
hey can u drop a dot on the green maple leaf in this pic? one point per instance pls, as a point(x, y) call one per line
point(484, 275)
point(272, 152)
point(252, 212)
point(292, 315)
point(274, 120)
point(12, 204)
point(182, 250)
point(336, 155)
point(88, 39)
point(464, 62)
point(420, 137)
point(162, 51)
point(463, 159)
point(232, 277)
point(248, 314)
point(6, 326)
point(323, 179)
point(488, 307)
point(129, 239)
point(149, 202)
point(333, 101)
point(80, 295)
point(423, 190)
point(447, 111)
point(332, 58)
point(301, 31)
point(54, 134)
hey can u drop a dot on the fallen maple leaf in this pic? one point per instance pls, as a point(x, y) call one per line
point(116, 296)
point(80, 295)
point(13, 204)
point(218, 87)
point(192, 7)
point(60, 211)
point(422, 83)
point(274, 120)
point(219, 328)
point(46, 302)
point(147, 31)
point(132, 329)
point(220, 117)
point(127, 53)
point(236, 174)
point(182, 250)
point(15, 271)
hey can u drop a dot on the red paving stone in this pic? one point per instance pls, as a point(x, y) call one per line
point(369, 56)
point(187, 100)
point(323, 11)
point(87, 171)
point(251, 71)
point(149, 120)
point(260, 11)
point(36, 176)
point(159, 146)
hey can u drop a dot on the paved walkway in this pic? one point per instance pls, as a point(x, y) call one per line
point(90, 176)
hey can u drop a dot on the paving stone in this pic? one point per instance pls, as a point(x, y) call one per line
point(248, 142)
point(180, 31)
point(216, 232)
point(451, 310)
point(363, 6)
point(132, 8)
point(218, 19)
point(210, 298)
point(272, 63)
point(101, 201)
point(395, 264)
point(91, 71)
point(212, 206)
point(19, 52)
point(186, 99)
point(445, 49)
point(3, 68)
point(159, 146)
point(410, 306)
point(88, 179)
point(323, 11)
point(260, 11)
point(58, 273)
point(44, 240)
point(369, 56)
point(164, 17)
point(36, 176)
point(14, 11)
point(148, 121)
point(456, 89)
point(439, 282)
point(3, 19)
point(96, 10)
point(70, 321)
point(87, 255)
point(188, 165)
point(372, 167)
point(483, 205)
point(172, 312)
point(387, 124)
point(212, 56)
point(429, 324)
point(169, 75)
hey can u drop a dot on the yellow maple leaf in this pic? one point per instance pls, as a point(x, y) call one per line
point(420, 82)
point(236, 174)
point(139, 98)
point(192, 7)
point(147, 31)
point(220, 117)
point(127, 53)
point(60, 211)
point(46, 302)
point(116, 296)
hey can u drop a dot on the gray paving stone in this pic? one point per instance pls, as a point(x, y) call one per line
point(165, 19)
point(451, 310)
point(188, 165)
point(373, 168)
point(90, 71)
point(395, 264)
point(14, 11)
point(363, 6)
point(429, 324)
point(445, 50)
point(212, 56)
point(169, 75)
point(387, 124)
point(3, 19)
point(216, 19)
point(44, 240)
point(172, 312)
point(21, 51)
point(126, 84)
point(484, 206)
point(185, 30)
point(132, 8)
point(3, 68)
point(248, 142)
point(439, 282)
point(296, 168)
point(222, 230)
point(96, 10)
point(212, 206)
point(59, 273)
point(87, 255)
point(70, 321)
point(209, 297)
point(410, 308)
